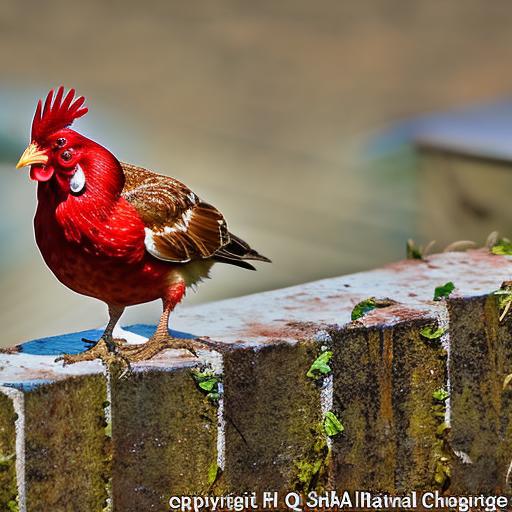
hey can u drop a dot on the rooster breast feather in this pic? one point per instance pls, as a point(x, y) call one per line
point(179, 226)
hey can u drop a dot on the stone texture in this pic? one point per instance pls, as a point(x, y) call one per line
point(418, 370)
point(164, 439)
point(8, 487)
point(481, 358)
point(383, 384)
point(165, 433)
point(66, 450)
point(274, 433)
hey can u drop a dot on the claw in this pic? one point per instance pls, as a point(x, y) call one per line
point(157, 344)
point(105, 350)
point(117, 352)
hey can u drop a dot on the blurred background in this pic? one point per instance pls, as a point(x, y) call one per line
point(328, 132)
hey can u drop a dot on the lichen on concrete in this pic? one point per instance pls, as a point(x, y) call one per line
point(8, 488)
point(66, 455)
point(362, 452)
point(481, 357)
point(164, 439)
point(384, 379)
point(313, 470)
point(274, 438)
point(419, 369)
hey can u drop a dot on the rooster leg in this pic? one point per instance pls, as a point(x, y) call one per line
point(161, 340)
point(105, 348)
point(112, 343)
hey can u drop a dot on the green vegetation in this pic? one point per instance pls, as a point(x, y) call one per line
point(503, 247)
point(444, 291)
point(208, 383)
point(363, 307)
point(213, 473)
point(442, 452)
point(504, 297)
point(332, 425)
point(432, 333)
point(418, 252)
point(369, 304)
point(440, 395)
point(320, 366)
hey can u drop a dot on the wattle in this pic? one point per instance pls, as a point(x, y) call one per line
point(41, 172)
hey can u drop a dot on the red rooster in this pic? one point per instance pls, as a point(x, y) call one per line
point(120, 233)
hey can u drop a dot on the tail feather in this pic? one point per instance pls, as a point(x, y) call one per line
point(236, 252)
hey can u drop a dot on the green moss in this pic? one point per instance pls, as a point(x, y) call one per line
point(66, 417)
point(274, 417)
point(8, 489)
point(422, 367)
point(307, 471)
point(481, 356)
point(383, 390)
point(312, 469)
point(208, 382)
point(164, 437)
point(13, 506)
point(362, 459)
point(442, 454)
point(213, 471)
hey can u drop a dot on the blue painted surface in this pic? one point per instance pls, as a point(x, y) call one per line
point(28, 385)
point(72, 343)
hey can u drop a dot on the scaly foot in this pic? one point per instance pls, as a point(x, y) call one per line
point(158, 343)
point(107, 350)
point(112, 343)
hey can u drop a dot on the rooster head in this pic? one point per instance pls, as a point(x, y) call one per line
point(55, 150)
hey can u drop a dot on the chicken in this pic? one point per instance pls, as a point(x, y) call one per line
point(120, 233)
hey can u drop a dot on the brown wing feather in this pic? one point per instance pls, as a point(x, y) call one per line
point(179, 226)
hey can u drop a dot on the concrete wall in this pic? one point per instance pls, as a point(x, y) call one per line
point(417, 387)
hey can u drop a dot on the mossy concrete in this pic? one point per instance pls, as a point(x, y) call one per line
point(66, 451)
point(8, 487)
point(164, 432)
point(383, 385)
point(481, 411)
point(419, 370)
point(274, 433)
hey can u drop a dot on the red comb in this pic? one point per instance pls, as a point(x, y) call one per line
point(58, 115)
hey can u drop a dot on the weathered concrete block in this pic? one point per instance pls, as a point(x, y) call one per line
point(164, 438)
point(387, 383)
point(419, 375)
point(56, 418)
point(8, 485)
point(66, 452)
point(384, 377)
point(481, 410)
point(273, 416)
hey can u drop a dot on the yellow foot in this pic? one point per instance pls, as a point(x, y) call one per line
point(106, 351)
point(156, 344)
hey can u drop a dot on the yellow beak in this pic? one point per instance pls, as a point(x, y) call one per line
point(32, 155)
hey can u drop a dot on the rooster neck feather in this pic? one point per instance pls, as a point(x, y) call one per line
point(99, 218)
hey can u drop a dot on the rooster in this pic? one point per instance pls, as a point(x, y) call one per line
point(117, 232)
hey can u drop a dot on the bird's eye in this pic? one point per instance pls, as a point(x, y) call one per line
point(66, 156)
point(61, 141)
